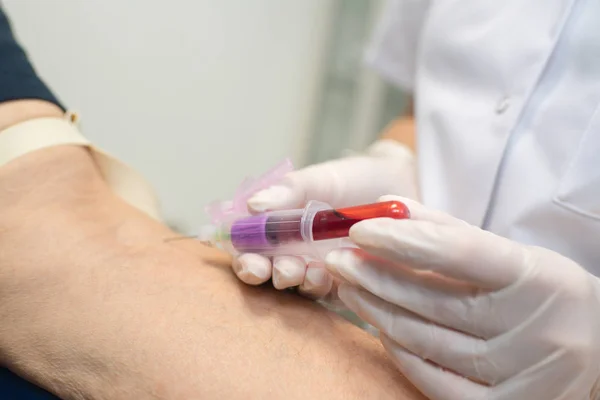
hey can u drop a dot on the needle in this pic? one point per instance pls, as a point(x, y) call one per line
point(172, 239)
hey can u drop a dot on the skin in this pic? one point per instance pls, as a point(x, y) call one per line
point(94, 304)
point(403, 129)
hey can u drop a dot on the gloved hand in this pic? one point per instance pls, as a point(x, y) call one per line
point(387, 167)
point(466, 314)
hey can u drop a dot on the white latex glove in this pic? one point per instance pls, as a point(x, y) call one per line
point(387, 167)
point(469, 315)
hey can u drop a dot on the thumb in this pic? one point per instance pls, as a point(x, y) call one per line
point(341, 183)
point(285, 195)
point(319, 182)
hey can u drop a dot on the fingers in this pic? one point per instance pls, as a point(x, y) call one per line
point(252, 269)
point(278, 197)
point(339, 183)
point(317, 281)
point(459, 252)
point(434, 382)
point(319, 182)
point(419, 212)
point(464, 354)
point(312, 280)
point(288, 271)
point(434, 298)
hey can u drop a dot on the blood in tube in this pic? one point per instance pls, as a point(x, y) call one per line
point(336, 223)
point(264, 232)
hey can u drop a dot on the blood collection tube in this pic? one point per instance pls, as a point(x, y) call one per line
point(266, 231)
point(331, 224)
point(296, 232)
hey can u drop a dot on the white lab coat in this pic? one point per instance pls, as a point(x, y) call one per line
point(508, 113)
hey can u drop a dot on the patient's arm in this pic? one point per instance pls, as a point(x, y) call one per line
point(95, 305)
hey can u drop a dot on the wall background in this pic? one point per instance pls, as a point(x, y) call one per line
point(197, 95)
point(355, 104)
point(194, 94)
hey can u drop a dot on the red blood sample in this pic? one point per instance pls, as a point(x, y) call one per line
point(336, 223)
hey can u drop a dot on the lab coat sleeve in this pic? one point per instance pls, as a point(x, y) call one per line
point(394, 45)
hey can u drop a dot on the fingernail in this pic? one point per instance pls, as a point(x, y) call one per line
point(288, 272)
point(318, 278)
point(342, 264)
point(258, 270)
point(317, 282)
point(252, 270)
point(270, 198)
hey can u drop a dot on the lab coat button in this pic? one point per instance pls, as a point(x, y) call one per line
point(503, 105)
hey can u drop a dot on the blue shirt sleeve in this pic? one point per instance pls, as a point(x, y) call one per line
point(18, 80)
point(14, 387)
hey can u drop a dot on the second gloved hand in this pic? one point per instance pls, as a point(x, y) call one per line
point(466, 314)
point(386, 167)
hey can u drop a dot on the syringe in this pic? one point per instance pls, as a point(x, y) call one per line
point(310, 232)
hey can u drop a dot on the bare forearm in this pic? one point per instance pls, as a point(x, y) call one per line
point(95, 305)
point(13, 112)
point(402, 129)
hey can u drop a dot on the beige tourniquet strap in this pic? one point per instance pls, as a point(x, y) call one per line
point(40, 133)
